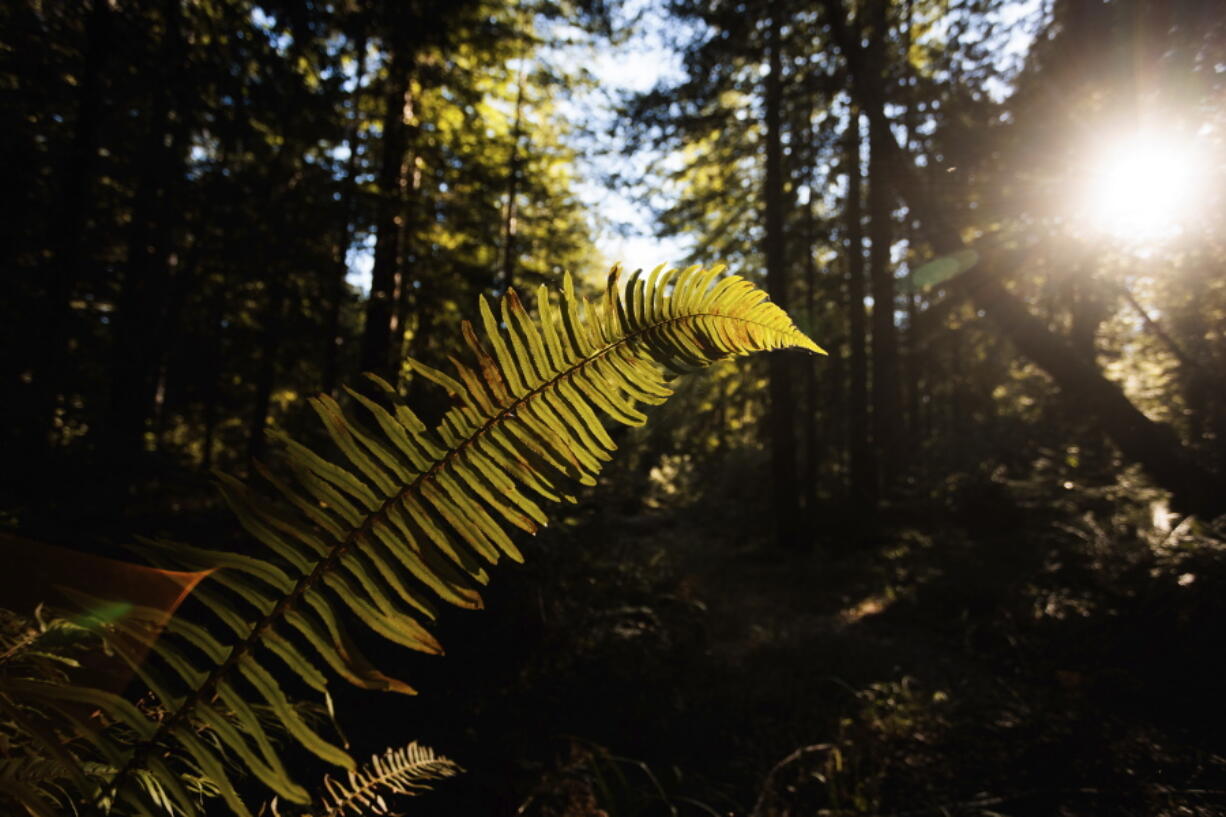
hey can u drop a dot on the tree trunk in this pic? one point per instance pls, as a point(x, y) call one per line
point(513, 173)
point(214, 359)
point(185, 269)
point(886, 419)
point(270, 342)
point(1153, 445)
point(812, 407)
point(405, 294)
point(913, 369)
point(140, 317)
point(863, 477)
point(180, 263)
point(835, 386)
point(334, 337)
point(781, 420)
point(55, 368)
point(285, 173)
point(377, 353)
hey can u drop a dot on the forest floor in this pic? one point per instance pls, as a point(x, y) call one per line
point(1025, 654)
point(668, 662)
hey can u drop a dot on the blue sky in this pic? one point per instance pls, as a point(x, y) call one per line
point(623, 226)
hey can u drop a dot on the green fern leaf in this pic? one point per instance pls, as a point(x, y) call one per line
point(411, 514)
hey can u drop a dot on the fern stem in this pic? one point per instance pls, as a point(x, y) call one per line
point(209, 687)
point(22, 643)
point(399, 772)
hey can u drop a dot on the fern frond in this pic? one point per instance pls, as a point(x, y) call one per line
point(405, 771)
point(412, 515)
point(60, 748)
point(35, 784)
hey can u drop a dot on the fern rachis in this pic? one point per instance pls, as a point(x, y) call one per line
point(416, 508)
point(400, 771)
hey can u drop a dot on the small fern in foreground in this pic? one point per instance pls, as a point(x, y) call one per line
point(405, 771)
point(411, 516)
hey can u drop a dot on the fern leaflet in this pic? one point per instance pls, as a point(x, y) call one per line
point(411, 516)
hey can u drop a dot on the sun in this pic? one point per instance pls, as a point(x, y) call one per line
point(1144, 188)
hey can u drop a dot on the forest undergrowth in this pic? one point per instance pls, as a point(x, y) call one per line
point(1028, 653)
point(1019, 645)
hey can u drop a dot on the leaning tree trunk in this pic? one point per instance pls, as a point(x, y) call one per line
point(1152, 445)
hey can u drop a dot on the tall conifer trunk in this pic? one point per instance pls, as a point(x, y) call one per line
point(514, 169)
point(781, 419)
point(860, 453)
point(812, 413)
point(377, 353)
point(334, 338)
point(913, 368)
point(886, 418)
point(214, 361)
point(52, 371)
point(405, 295)
point(142, 324)
point(266, 376)
point(272, 322)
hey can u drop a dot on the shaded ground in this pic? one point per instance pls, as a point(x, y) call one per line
point(1015, 664)
point(1012, 652)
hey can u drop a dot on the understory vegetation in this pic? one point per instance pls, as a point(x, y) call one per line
point(969, 560)
point(1049, 652)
